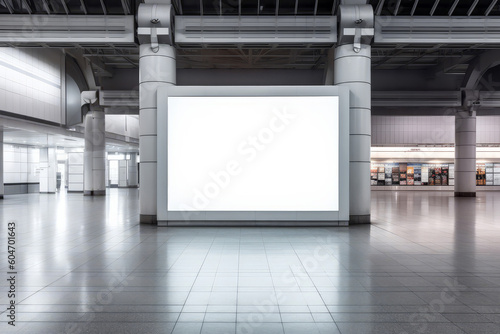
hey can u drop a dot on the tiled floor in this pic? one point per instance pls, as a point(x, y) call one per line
point(429, 263)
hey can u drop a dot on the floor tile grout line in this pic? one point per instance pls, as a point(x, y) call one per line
point(324, 303)
point(184, 305)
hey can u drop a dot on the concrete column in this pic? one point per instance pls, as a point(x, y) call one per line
point(132, 171)
point(157, 67)
point(352, 69)
point(106, 170)
point(122, 174)
point(48, 170)
point(75, 171)
point(465, 153)
point(2, 190)
point(94, 163)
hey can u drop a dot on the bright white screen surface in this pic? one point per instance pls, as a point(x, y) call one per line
point(253, 153)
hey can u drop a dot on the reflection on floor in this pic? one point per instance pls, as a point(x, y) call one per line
point(430, 263)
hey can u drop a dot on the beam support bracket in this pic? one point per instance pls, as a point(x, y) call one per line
point(356, 25)
point(155, 25)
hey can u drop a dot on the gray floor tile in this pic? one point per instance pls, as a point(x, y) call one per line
point(370, 328)
point(483, 328)
point(268, 328)
point(296, 317)
point(446, 328)
point(378, 278)
point(222, 328)
point(187, 327)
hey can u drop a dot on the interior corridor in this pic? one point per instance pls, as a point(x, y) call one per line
point(429, 263)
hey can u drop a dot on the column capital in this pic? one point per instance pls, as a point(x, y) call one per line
point(155, 24)
point(356, 24)
point(90, 98)
point(470, 100)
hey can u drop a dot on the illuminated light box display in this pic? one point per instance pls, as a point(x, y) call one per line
point(253, 154)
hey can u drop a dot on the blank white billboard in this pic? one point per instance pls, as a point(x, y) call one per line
point(252, 153)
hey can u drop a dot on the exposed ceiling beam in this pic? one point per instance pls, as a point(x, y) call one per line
point(447, 64)
point(426, 53)
point(453, 6)
point(414, 8)
point(84, 7)
point(46, 6)
point(334, 7)
point(425, 30)
point(103, 5)
point(490, 7)
point(307, 57)
point(433, 9)
point(27, 6)
point(9, 6)
point(472, 7)
point(66, 31)
point(396, 8)
point(112, 55)
point(134, 64)
point(63, 2)
point(240, 31)
point(100, 68)
point(320, 61)
point(126, 9)
point(478, 67)
point(121, 64)
point(124, 56)
point(411, 55)
point(386, 58)
point(378, 10)
point(179, 7)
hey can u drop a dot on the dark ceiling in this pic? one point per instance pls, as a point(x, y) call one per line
point(254, 7)
point(69, 7)
point(385, 57)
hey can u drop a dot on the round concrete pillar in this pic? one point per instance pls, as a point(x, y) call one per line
point(132, 171)
point(157, 67)
point(94, 164)
point(353, 70)
point(465, 154)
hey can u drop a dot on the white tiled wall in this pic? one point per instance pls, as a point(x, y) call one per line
point(33, 163)
point(125, 125)
point(48, 170)
point(132, 170)
point(488, 129)
point(411, 130)
point(20, 164)
point(30, 83)
point(75, 171)
point(122, 173)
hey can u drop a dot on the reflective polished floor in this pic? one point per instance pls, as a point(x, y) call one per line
point(429, 263)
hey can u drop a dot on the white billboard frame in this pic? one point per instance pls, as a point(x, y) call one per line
point(166, 217)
